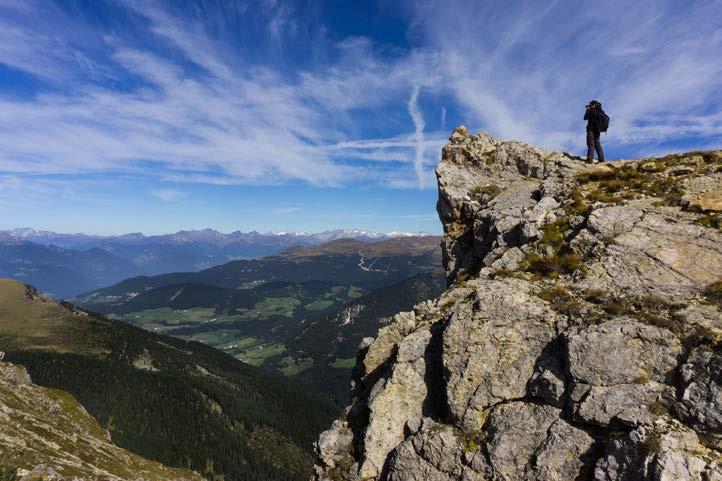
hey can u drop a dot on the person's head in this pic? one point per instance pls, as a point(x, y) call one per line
point(594, 104)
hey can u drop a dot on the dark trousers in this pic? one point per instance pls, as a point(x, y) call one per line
point(593, 144)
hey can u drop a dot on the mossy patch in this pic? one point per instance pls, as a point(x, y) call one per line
point(553, 234)
point(658, 177)
point(570, 304)
point(341, 471)
point(597, 306)
point(616, 184)
point(658, 408)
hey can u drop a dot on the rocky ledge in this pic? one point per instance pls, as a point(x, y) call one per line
point(580, 336)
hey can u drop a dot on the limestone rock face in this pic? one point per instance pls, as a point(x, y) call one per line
point(701, 400)
point(491, 354)
point(580, 336)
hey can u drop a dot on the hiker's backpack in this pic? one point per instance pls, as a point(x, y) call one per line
point(603, 121)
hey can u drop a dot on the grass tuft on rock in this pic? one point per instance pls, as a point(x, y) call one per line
point(652, 444)
point(713, 221)
point(552, 266)
point(470, 442)
point(8, 474)
point(485, 192)
point(713, 293)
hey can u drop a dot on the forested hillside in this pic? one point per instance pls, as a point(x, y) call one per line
point(178, 402)
point(332, 341)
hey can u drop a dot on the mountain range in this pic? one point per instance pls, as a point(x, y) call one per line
point(301, 313)
point(63, 265)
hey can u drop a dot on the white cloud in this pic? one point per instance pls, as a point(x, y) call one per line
point(167, 195)
point(419, 125)
point(281, 211)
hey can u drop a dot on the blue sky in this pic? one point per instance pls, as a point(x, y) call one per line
point(123, 116)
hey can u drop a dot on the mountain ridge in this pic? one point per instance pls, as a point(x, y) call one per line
point(336, 262)
point(45, 258)
point(65, 239)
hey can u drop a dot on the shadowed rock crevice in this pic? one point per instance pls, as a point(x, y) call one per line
point(436, 405)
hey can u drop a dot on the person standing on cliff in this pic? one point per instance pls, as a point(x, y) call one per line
point(597, 122)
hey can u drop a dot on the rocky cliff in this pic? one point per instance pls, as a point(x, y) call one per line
point(579, 338)
point(45, 434)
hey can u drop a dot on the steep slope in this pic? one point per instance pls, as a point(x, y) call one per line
point(580, 336)
point(177, 402)
point(46, 432)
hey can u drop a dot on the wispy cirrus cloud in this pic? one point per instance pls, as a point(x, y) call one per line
point(419, 126)
point(525, 71)
point(179, 99)
point(194, 115)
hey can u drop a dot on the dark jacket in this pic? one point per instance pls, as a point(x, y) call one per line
point(593, 118)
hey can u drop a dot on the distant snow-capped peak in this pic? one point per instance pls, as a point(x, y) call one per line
point(210, 235)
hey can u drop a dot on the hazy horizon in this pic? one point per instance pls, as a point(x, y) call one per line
point(162, 233)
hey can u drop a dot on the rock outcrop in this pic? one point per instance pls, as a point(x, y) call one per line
point(45, 434)
point(580, 336)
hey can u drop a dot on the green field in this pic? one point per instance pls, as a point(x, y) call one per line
point(248, 349)
point(194, 315)
point(319, 305)
point(241, 343)
point(343, 363)
point(237, 334)
point(257, 355)
point(215, 338)
point(290, 366)
point(274, 306)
